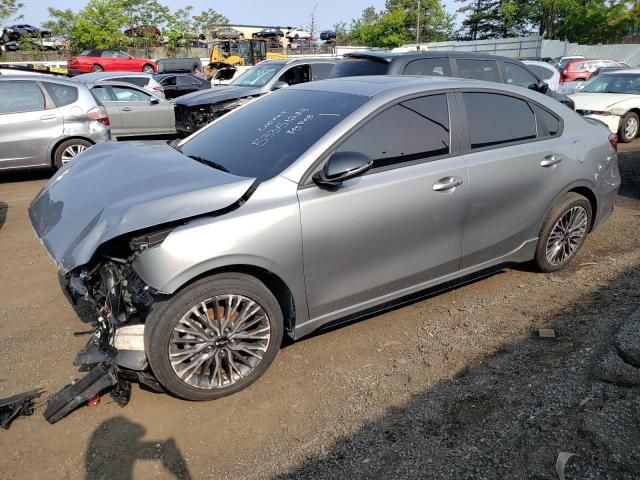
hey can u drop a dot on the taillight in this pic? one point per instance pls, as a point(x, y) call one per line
point(99, 114)
point(613, 140)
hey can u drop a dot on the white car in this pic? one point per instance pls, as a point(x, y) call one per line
point(546, 72)
point(227, 75)
point(614, 99)
point(146, 81)
point(297, 33)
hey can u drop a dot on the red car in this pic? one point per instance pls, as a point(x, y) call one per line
point(108, 61)
point(583, 69)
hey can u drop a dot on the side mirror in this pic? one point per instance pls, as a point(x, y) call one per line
point(342, 166)
point(154, 101)
point(542, 87)
point(280, 84)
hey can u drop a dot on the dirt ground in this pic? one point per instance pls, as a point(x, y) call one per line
point(456, 386)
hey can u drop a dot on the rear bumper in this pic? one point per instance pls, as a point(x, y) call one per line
point(611, 121)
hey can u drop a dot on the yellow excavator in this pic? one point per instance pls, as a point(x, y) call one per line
point(242, 52)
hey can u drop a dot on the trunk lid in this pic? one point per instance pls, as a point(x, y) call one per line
point(117, 188)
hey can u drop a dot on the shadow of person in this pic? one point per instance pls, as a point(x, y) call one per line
point(115, 446)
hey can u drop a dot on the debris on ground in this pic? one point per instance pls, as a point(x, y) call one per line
point(546, 333)
point(16, 406)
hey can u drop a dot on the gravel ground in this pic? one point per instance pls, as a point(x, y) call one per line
point(456, 386)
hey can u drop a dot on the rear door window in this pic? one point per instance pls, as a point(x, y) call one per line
point(62, 94)
point(542, 72)
point(186, 81)
point(438, 67)
point(168, 81)
point(320, 71)
point(514, 123)
point(359, 67)
point(417, 129)
point(20, 96)
point(478, 69)
point(517, 75)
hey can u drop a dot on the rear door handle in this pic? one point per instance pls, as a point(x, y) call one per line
point(550, 161)
point(447, 184)
point(126, 109)
point(48, 117)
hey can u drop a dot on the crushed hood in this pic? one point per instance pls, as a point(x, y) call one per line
point(116, 188)
point(601, 101)
point(217, 95)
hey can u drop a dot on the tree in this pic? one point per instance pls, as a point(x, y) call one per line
point(435, 23)
point(385, 29)
point(208, 21)
point(8, 8)
point(343, 34)
point(180, 30)
point(312, 26)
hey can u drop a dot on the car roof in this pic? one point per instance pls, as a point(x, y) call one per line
point(290, 61)
point(387, 56)
point(95, 76)
point(622, 70)
point(373, 85)
point(43, 77)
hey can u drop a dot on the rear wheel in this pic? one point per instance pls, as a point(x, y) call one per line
point(148, 68)
point(97, 68)
point(563, 232)
point(68, 150)
point(629, 126)
point(215, 337)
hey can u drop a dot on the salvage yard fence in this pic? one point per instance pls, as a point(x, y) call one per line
point(538, 47)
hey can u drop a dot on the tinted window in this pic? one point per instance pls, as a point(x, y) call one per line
point(358, 67)
point(264, 137)
point(295, 75)
point(20, 96)
point(320, 71)
point(514, 123)
point(168, 81)
point(429, 66)
point(478, 69)
point(413, 130)
point(125, 94)
point(258, 76)
point(61, 94)
point(185, 81)
point(518, 75)
point(548, 124)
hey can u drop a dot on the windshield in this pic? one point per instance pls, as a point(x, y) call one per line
point(267, 135)
point(258, 76)
point(614, 83)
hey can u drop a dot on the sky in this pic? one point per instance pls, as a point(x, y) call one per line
point(250, 12)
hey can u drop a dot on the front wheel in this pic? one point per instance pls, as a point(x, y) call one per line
point(215, 337)
point(629, 126)
point(148, 69)
point(563, 232)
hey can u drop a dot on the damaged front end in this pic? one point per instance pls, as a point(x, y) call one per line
point(190, 119)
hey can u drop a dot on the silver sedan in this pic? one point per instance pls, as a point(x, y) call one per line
point(313, 205)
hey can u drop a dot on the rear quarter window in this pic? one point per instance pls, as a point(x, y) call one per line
point(62, 94)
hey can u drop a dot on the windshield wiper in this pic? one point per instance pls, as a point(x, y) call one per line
point(204, 161)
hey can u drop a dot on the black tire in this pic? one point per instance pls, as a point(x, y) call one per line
point(146, 68)
point(97, 68)
point(60, 149)
point(564, 205)
point(629, 117)
point(165, 315)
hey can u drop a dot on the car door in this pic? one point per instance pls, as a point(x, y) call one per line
point(29, 122)
point(395, 228)
point(142, 113)
point(515, 168)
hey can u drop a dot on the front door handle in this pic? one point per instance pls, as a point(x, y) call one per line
point(550, 161)
point(126, 109)
point(447, 184)
point(48, 117)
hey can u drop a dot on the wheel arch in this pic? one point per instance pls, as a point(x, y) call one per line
point(581, 189)
point(276, 285)
point(54, 146)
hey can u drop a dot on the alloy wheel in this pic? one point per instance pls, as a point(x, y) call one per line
point(631, 128)
point(219, 341)
point(71, 152)
point(566, 235)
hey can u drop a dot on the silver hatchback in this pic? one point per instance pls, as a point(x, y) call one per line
point(47, 121)
point(313, 205)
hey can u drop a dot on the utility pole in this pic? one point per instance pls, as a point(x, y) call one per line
point(418, 26)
